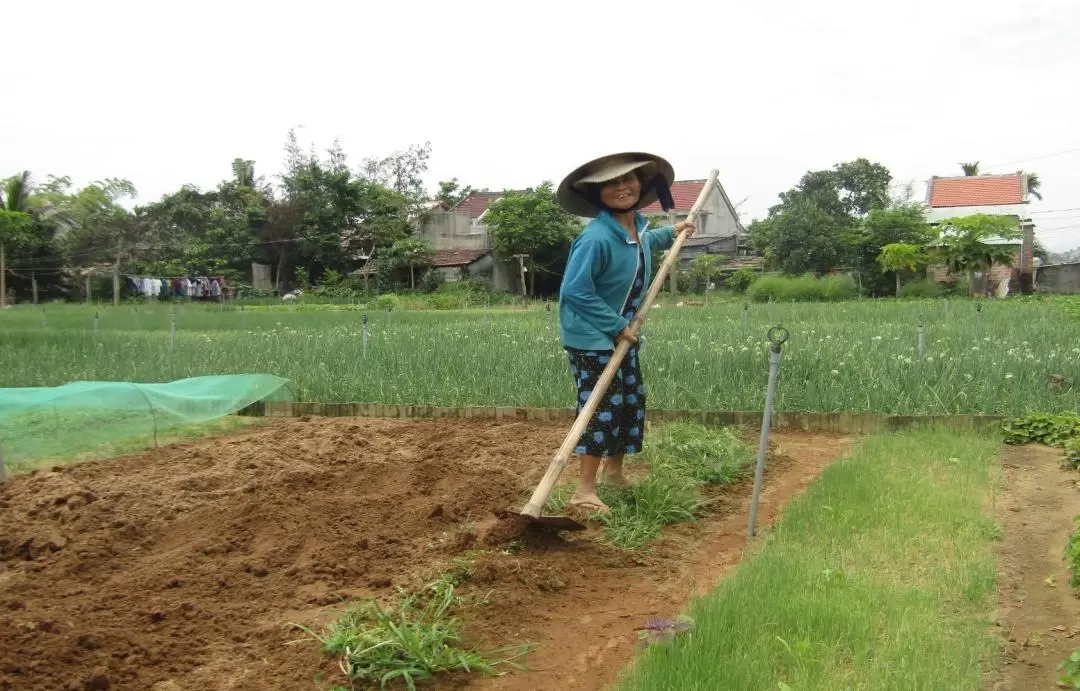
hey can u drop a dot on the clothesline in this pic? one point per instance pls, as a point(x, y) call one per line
point(177, 286)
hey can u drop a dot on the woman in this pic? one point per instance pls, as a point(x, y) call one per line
point(607, 276)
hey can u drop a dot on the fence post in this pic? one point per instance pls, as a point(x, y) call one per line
point(549, 316)
point(745, 319)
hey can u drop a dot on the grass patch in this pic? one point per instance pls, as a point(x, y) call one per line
point(682, 458)
point(415, 641)
point(879, 576)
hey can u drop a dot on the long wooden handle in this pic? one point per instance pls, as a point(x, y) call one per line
point(562, 456)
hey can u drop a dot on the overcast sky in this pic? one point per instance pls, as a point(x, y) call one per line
point(509, 94)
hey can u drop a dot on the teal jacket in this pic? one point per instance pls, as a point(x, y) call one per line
point(599, 274)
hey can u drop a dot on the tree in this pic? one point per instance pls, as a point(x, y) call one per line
point(1033, 184)
point(14, 218)
point(904, 222)
point(531, 223)
point(964, 244)
point(12, 230)
point(278, 231)
point(801, 237)
point(812, 226)
point(897, 257)
point(411, 253)
point(451, 193)
point(970, 169)
point(704, 269)
point(402, 171)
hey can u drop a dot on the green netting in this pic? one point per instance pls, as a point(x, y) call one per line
point(100, 417)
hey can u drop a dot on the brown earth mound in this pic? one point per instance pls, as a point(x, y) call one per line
point(180, 568)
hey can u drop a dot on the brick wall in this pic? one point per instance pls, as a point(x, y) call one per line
point(939, 273)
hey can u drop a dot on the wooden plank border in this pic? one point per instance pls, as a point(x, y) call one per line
point(836, 423)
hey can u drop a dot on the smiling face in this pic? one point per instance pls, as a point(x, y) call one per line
point(621, 194)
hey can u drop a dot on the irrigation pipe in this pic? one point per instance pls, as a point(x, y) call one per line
point(777, 336)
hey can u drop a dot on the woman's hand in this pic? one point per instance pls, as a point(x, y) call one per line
point(626, 335)
point(686, 225)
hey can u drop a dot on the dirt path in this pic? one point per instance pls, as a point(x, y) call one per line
point(1039, 614)
point(586, 637)
point(179, 569)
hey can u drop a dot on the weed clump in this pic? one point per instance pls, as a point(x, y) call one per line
point(412, 642)
point(682, 458)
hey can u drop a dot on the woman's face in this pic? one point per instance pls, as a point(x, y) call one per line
point(622, 193)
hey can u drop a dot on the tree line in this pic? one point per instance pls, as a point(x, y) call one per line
point(847, 218)
point(323, 218)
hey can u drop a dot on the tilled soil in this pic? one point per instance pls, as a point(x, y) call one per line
point(1040, 613)
point(181, 568)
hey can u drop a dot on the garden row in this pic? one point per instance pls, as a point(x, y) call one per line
point(1009, 357)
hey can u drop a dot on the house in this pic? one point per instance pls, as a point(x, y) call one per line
point(718, 230)
point(462, 228)
point(460, 263)
point(1005, 195)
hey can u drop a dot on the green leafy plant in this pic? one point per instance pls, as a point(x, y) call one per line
point(1070, 671)
point(413, 642)
point(1072, 553)
point(1072, 452)
point(741, 279)
point(1042, 428)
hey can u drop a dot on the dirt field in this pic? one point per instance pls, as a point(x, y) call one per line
point(180, 568)
point(1040, 614)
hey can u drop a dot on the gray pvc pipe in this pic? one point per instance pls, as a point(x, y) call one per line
point(766, 420)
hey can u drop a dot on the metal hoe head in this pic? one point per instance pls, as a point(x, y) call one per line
point(555, 522)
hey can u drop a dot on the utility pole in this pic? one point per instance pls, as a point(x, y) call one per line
point(521, 267)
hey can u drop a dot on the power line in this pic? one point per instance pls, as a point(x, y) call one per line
point(1034, 158)
point(1054, 211)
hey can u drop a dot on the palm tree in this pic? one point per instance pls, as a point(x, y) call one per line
point(15, 208)
point(1033, 184)
point(970, 169)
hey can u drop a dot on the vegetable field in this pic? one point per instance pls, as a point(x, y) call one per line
point(1009, 357)
point(312, 552)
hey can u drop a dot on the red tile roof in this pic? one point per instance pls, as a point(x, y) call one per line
point(684, 192)
point(476, 203)
point(457, 257)
point(976, 190)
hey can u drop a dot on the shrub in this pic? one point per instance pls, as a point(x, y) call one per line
point(925, 288)
point(742, 279)
point(386, 301)
point(805, 288)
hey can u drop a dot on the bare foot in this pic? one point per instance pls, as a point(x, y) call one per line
point(589, 501)
point(616, 480)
